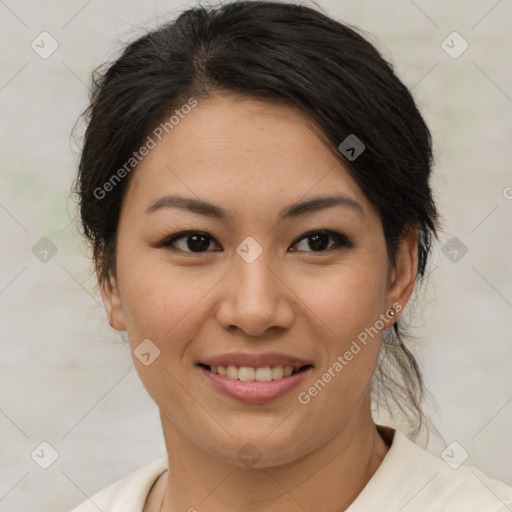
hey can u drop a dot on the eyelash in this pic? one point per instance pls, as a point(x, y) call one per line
point(341, 240)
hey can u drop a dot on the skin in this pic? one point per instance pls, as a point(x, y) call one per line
point(253, 158)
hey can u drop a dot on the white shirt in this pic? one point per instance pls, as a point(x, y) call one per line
point(409, 479)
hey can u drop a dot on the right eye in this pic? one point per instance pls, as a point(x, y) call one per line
point(192, 242)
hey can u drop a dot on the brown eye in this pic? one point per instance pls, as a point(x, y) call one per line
point(190, 241)
point(319, 241)
point(197, 242)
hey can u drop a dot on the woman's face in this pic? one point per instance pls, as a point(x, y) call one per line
point(252, 282)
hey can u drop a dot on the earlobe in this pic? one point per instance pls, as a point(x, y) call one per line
point(112, 303)
point(405, 271)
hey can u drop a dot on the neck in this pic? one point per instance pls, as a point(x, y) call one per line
point(327, 479)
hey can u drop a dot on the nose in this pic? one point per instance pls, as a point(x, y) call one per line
point(255, 298)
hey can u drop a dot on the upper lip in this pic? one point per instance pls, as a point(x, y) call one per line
point(255, 360)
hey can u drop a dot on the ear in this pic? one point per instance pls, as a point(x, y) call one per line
point(112, 302)
point(403, 275)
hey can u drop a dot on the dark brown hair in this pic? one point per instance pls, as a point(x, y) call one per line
point(280, 52)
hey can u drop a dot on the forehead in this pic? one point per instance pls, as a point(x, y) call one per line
point(245, 151)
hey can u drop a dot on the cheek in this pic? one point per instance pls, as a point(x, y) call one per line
point(348, 297)
point(349, 301)
point(349, 304)
point(161, 301)
point(164, 304)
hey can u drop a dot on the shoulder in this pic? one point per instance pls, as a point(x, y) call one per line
point(412, 479)
point(450, 486)
point(128, 494)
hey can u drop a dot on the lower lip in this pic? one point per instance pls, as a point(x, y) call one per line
point(255, 392)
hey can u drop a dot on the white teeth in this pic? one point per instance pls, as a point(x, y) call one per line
point(247, 373)
point(263, 374)
point(232, 372)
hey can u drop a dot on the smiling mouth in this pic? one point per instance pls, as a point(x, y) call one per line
point(260, 374)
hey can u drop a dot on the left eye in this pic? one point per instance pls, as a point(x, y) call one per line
point(198, 242)
point(318, 240)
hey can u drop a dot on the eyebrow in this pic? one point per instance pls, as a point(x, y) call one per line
point(292, 211)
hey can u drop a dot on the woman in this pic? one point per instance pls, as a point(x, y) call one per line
point(254, 183)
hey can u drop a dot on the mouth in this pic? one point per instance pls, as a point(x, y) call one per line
point(259, 374)
point(255, 385)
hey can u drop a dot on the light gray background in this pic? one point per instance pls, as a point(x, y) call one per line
point(66, 377)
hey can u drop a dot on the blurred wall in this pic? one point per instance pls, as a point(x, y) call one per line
point(67, 379)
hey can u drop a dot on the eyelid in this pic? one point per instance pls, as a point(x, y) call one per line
point(340, 239)
point(167, 241)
